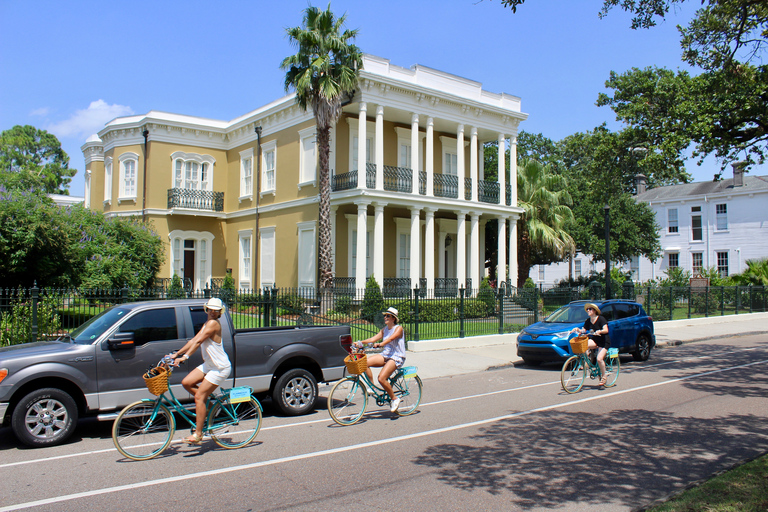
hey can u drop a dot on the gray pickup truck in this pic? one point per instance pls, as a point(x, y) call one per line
point(97, 369)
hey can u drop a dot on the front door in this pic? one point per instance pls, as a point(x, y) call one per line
point(189, 261)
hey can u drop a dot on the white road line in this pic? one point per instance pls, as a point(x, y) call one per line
point(293, 458)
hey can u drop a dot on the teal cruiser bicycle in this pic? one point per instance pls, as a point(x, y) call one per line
point(348, 399)
point(144, 429)
point(577, 367)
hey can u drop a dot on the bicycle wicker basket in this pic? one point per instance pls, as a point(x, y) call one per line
point(579, 344)
point(156, 380)
point(356, 363)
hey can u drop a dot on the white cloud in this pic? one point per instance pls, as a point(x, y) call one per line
point(40, 112)
point(84, 123)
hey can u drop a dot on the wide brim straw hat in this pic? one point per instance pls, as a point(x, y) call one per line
point(214, 304)
point(391, 311)
point(593, 306)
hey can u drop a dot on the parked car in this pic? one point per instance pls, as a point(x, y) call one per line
point(629, 326)
point(96, 369)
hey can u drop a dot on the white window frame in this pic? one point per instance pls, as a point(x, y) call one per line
point(108, 180)
point(697, 213)
point(676, 256)
point(673, 225)
point(694, 268)
point(308, 158)
point(246, 174)
point(577, 267)
point(727, 262)
point(128, 191)
point(352, 247)
point(403, 258)
point(268, 183)
point(404, 140)
point(267, 258)
point(203, 254)
point(721, 216)
point(370, 154)
point(245, 245)
point(634, 267)
point(206, 164)
point(450, 149)
point(307, 251)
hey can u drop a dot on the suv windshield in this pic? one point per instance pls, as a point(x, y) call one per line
point(95, 327)
point(571, 314)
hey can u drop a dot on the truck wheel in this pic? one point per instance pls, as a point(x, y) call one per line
point(295, 392)
point(44, 417)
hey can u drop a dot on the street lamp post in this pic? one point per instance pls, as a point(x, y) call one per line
point(607, 251)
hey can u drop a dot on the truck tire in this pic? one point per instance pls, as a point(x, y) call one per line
point(44, 417)
point(295, 392)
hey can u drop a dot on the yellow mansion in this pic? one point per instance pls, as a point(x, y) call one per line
point(242, 195)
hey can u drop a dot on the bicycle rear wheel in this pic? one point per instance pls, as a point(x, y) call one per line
point(235, 425)
point(143, 430)
point(611, 371)
point(347, 401)
point(573, 374)
point(409, 393)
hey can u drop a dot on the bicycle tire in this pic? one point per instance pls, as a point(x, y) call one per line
point(234, 425)
point(409, 393)
point(347, 401)
point(573, 374)
point(141, 427)
point(612, 367)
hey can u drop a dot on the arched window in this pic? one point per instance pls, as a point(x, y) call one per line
point(192, 171)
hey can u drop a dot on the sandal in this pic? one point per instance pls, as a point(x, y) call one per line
point(603, 382)
point(194, 439)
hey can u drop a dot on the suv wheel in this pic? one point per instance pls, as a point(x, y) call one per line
point(643, 348)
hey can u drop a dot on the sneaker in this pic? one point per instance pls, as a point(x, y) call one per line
point(395, 405)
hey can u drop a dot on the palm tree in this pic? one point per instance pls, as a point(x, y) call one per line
point(756, 273)
point(323, 72)
point(541, 228)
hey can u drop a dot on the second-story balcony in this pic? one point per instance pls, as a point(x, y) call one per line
point(203, 200)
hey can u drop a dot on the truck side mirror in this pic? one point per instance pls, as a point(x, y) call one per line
point(120, 340)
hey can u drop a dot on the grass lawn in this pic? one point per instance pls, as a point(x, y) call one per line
point(742, 489)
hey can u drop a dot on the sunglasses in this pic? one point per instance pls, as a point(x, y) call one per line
point(388, 316)
point(590, 309)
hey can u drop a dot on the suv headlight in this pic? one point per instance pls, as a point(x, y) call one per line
point(562, 335)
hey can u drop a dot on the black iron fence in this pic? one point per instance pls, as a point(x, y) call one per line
point(446, 311)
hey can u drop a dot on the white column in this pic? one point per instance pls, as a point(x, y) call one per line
point(361, 137)
point(441, 270)
point(481, 161)
point(415, 247)
point(461, 248)
point(429, 248)
point(378, 242)
point(473, 164)
point(502, 177)
point(501, 250)
point(362, 233)
point(474, 250)
point(481, 263)
point(513, 169)
point(334, 210)
point(379, 151)
point(460, 159)
point(430, 163)
point(414, 159)
point(513, 250)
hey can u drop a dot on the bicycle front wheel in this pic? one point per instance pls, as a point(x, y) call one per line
point(573, 374)
point(234, 425)
point(611, 371)
point(143, 430)
point(409, 393)
point(347, 401)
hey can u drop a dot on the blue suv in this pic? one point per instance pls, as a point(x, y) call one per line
point(629, 326)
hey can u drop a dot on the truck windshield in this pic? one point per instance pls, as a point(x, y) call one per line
point(96, 326)
point(568, 315)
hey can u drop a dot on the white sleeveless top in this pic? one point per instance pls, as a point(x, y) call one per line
point(214, 355)
point(395, 349)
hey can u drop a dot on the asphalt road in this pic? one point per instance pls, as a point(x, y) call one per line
point(507, 439)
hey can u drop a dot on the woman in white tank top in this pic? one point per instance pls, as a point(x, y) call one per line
point(203, 380)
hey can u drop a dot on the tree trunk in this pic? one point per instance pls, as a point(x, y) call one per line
point(523, 257)
point(325, 252)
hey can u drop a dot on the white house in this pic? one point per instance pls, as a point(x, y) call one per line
point(718, 224)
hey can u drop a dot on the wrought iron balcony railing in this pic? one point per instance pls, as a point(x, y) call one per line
point(446, 185)
point(488, 191)
point(196, 199)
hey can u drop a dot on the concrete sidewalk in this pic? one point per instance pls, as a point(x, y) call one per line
point(455, 356)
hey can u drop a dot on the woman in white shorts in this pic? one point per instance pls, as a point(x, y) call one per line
point(203, 380)
point(392, 338)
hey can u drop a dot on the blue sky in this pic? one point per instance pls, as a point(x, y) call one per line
point(70, 67)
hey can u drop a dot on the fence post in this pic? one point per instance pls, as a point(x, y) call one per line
point(750, 299)
point(690, 298)
point(273, 322)
point(124, 293)
point(535, 305)
point(461, 312)
point(206, 292)
point(722, 301)
point(706, 301)
point(415, 314)
point(500, 295)
point(671, 302)
point(35, 295)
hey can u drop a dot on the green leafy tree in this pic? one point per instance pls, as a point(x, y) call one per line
point(541, 236)
point(32, 159)
point(323, 72)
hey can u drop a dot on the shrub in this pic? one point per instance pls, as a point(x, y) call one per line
point(176, 288)
point(16, 325)
point(487, 296)
point(373, 301)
